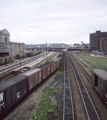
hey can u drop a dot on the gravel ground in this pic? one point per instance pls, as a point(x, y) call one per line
point(26, 109)
point(100, 106)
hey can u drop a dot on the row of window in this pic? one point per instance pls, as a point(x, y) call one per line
point(3, 46)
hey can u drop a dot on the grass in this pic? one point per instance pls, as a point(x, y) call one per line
point(47, 108)
point(96, 63)
point(59, 73)
point(48, 59)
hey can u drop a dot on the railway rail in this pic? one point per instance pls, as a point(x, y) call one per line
point(89, 106)
point(10, 69)
point(82, 68)
point(68, 107)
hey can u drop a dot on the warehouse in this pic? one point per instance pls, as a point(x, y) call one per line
point(8, 48)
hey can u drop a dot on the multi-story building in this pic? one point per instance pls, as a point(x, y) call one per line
point(95, 40)
point(103, 45)
point(8, 48)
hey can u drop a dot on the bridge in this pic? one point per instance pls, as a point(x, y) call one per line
point(56, 49)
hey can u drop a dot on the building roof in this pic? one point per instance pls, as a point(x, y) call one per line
point(5, 31)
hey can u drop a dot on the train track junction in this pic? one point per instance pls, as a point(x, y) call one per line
point(76, 99)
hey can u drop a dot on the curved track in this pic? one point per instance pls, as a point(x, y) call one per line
point(10, 69)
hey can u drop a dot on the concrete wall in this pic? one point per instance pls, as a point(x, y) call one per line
point(12, 48)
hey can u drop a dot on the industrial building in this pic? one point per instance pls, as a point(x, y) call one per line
point(97, 41)
point(8, 48)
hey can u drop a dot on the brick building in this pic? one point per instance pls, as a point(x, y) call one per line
point(95, 40)
point(8, 48)
point(103, 45)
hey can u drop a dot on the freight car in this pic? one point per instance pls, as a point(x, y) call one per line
point(99, 81)
point(14, 89)
point(9, 60)
point(6, 60)
point(2, 61)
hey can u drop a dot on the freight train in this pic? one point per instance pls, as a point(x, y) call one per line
point(14, 89)
point(28, 54)
point(9, 59)
point(6, 60)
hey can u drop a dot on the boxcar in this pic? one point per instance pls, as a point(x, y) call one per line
point(33, 76)
point(2, 61)
point(18, 56)
point(45, 70)
point(53, 65)
point(99, 81)
point(11, 91)
point(8, 59)
point(57, 63)
point(30, 54)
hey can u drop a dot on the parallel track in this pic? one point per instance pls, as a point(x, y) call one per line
point(68, 108)
point(83, 70)
point(91, 111)
point(7, 70)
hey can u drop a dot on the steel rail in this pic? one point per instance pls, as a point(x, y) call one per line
point(84, 71)
point(26, 61)
point(6, 70)
point(67, 90)
point(91, 111)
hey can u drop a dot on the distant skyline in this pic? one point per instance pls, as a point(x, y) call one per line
point(52, 21)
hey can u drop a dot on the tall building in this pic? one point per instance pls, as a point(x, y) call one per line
point(8, 48)
point(95, 40)
point(103, 45)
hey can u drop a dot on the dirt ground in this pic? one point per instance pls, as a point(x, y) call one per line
point(26, 109)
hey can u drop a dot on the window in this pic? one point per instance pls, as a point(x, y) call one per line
point(5, 39)
point(2, 46)
point(5, 46)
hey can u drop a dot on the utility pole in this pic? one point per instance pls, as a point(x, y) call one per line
point(20, 57)
point(46, 52)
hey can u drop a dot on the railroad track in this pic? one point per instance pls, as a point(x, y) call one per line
point(89, 106)
point(10, 69)
point(68, 107)
point(82, 68)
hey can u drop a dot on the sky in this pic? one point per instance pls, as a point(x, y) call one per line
point(52, 21)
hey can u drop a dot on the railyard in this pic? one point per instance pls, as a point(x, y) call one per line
point(77, 107)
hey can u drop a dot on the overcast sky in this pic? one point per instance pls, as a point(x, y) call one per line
point(52, 21)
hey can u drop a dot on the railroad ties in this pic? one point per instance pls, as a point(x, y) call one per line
point(89, 106)
point(68, 109)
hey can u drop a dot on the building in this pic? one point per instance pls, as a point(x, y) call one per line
point(103, 45)
point(8, 48)
point(4, 36)
point(95, 40)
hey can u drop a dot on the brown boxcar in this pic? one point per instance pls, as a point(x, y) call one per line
point(38, 78)
point(32, 77)
point(45, 70)
point(53, 67)
point(57, 63)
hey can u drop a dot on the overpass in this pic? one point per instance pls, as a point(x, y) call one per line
point(59, 49)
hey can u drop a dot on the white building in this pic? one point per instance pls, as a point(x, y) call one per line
point(8, 48)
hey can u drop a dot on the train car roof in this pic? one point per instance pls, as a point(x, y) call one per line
point(10, 81)
point(29, 72)
point(44, 65)
point(100, 73)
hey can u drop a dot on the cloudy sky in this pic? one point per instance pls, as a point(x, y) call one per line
point(52, 21)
